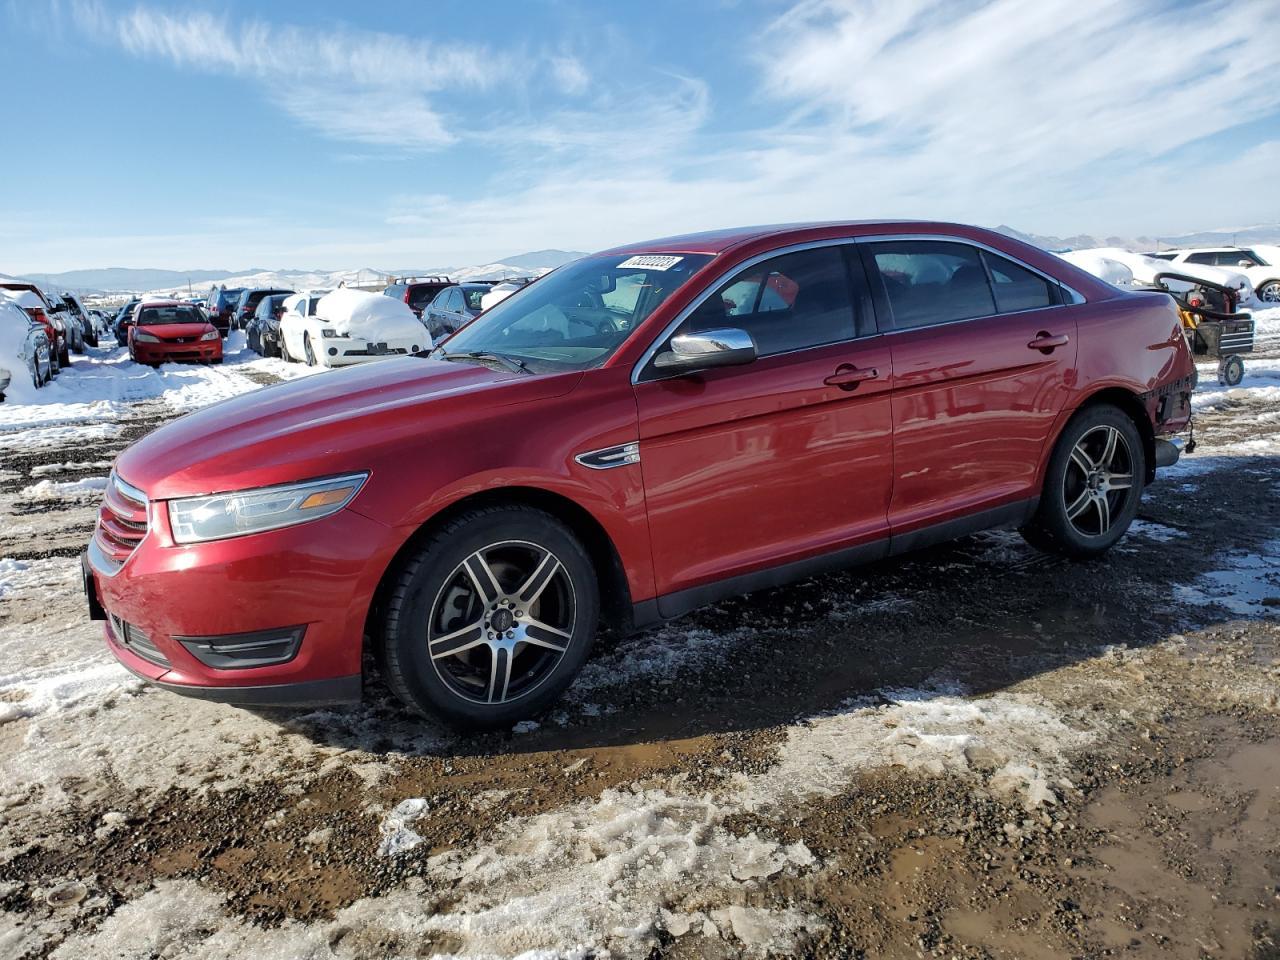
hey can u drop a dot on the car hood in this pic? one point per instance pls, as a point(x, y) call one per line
point(334, 422)
point(171, 331)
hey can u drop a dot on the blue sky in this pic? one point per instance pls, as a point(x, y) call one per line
point(211, 134)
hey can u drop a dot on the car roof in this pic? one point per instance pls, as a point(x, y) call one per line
point(718, 241)
point(164, 302)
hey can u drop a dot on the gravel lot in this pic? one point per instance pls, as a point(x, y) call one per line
point(975, 751)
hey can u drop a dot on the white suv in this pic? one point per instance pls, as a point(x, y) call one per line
point(1261, 264)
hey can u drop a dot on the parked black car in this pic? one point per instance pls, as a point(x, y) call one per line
point(453, 307)
point(417, 292)
point(122, 321)
point(263, 328)
point(248, 304)
point(221, 307)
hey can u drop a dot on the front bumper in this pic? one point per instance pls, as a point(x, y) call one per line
point(199, 351)
point(166, 602)
point(342, 351)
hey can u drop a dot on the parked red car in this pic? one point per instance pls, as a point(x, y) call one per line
point(640, 432)
point(170, 330)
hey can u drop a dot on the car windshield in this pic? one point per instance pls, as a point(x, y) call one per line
point(578, 315)
point(473, 295)
point(154, 316)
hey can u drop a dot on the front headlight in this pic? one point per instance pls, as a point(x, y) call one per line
point(331, 334)
point(223, 515)
point(140, 337)
point(211, 335)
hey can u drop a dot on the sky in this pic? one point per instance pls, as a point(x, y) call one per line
point(331, 135)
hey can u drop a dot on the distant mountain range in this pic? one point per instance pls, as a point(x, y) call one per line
point(1268, 233)
point(131, 280)
point(128, 280)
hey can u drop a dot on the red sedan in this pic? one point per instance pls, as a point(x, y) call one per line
point(168, 330)
point(640, 432)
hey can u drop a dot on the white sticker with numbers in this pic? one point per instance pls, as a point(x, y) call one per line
point(650, 262)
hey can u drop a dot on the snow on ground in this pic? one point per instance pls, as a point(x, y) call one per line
point(620, 871)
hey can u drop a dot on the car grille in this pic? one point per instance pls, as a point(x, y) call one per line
point(129, 636)
point(122, 522)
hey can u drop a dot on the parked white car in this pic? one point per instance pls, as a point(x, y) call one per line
point(1261, 264)
point(352, 326)
point(500, 291)
point(293, 323)
point(1145, 268)
point(25, 361)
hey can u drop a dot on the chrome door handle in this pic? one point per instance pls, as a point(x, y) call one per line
point(847, 376)
point(1047, 342)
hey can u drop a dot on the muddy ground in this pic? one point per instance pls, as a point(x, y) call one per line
point(975, 751)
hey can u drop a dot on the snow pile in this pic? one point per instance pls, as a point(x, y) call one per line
point(1015, 742)
point(1103, 267)
point(45, 490)
point(370, 316)
point(1102, 260)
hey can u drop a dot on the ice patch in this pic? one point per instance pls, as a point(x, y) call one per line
point(1248, 585)
point(397, 837)
point(49, 469)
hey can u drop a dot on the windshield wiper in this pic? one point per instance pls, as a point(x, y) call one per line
point(511, 363)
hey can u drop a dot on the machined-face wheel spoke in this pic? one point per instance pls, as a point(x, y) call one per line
point(1104, 512)
point(482, 577)
point(499, 674)
point(1109, 448)
point(1080, 504)
point(450, 644)
point(1081, 459)
point(544, 635)
point(529, 591)
point(1120, 481)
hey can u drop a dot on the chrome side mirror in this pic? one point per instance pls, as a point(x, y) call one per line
point(725, 347)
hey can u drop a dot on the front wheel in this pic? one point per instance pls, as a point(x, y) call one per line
point(1092, 486)
point(1269, 292)
point(310, 350)
point(491, 618)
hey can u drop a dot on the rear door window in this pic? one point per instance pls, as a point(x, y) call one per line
point(928, 282)
point(1016, 287)
point(791, 302)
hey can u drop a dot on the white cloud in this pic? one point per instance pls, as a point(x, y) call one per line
point(570, 75)
point(349, 85)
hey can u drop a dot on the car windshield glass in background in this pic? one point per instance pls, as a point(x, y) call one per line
point(578, 315)
point(473, 295)
point(419, 297)
point(154, 316)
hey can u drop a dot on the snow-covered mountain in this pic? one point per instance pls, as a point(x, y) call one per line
point(178, 282)
point(1265, 233)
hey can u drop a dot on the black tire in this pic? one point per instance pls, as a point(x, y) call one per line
point(64, 358)
point(1269, 292)
point(310, 350)
point(1070, 520)
point(435, 592)
point(1231, 370)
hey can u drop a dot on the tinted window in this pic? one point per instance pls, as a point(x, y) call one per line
point(930, 282)
point(454, 302)
point(1017, 288)
point(1233, 258)
point(473, 295)
point(1208, 259)
point(791, 302)
point(420, 296)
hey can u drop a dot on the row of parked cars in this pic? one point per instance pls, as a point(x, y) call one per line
point(40, 331)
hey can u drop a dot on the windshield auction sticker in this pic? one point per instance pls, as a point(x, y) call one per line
point(649, 262)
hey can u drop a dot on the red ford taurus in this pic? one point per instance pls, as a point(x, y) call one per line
point(640, 432)
point(169, 330)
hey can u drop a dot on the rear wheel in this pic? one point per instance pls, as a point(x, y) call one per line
point(1269, 292)
point(1092, 486)
point(491, 618)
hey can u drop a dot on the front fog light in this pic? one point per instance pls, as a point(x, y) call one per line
point(196, 519)
point(241, 651)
